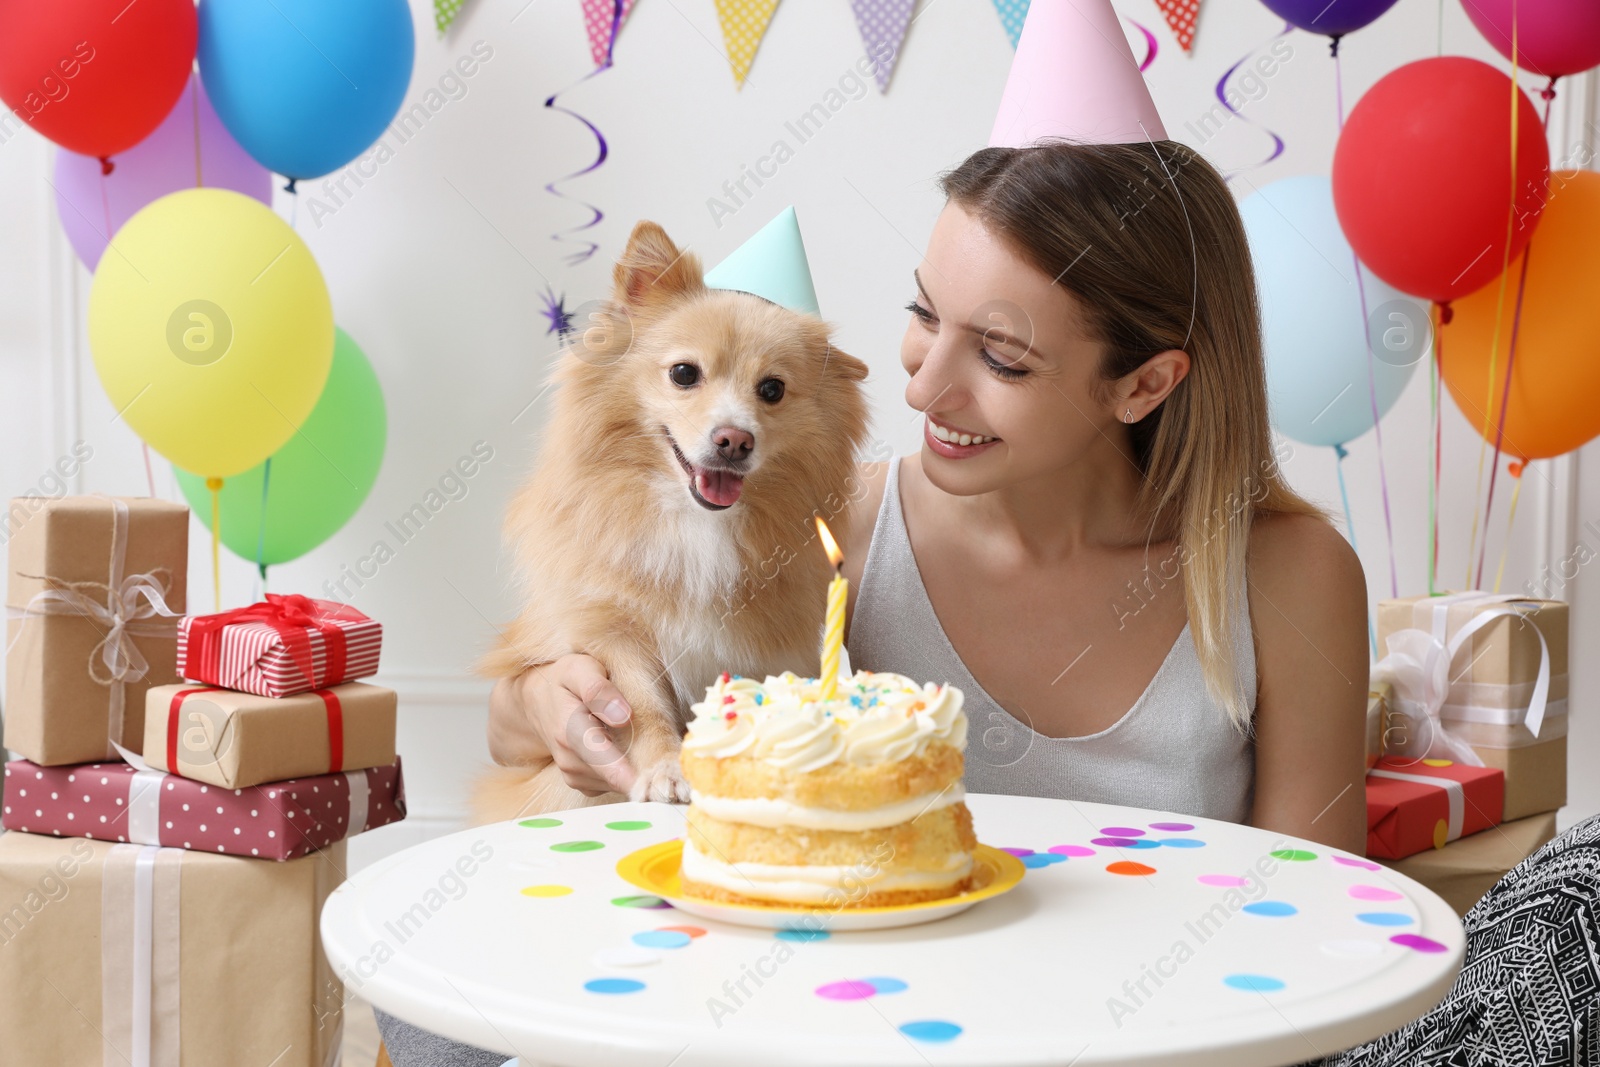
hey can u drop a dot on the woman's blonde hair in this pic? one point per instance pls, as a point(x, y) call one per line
point(1148, 239)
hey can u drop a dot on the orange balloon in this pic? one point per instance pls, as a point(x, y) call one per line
point(1555, 380)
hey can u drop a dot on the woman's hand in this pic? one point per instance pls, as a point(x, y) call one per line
point(559, 711)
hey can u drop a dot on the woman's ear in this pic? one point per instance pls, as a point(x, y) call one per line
point(1142, 391)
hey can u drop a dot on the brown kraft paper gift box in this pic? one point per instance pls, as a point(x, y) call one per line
point(61, 694)
point(243, 981)
point(1493, 676)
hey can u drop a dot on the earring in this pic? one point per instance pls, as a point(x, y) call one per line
point(1127, 416)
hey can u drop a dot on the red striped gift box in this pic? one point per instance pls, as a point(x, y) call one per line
point(283, 646)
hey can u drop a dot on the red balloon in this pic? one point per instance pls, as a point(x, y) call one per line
point(95, 76)
point(1422, 176)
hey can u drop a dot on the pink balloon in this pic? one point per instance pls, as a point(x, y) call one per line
point(162, 163)
point(1554, 37)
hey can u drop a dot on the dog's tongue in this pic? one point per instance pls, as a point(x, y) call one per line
point(718, 487)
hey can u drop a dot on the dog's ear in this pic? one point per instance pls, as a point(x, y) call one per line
point(652, 269)
point(841, 364)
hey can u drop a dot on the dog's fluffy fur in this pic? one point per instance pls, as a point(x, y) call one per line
point(622, 561)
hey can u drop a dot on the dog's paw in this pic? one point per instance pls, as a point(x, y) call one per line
point(663, 782)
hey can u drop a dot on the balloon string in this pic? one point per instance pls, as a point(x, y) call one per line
point(261, 535)
point(194, 95)
point(149, 473)
point(1434, 441)
point(1511, 357)
point(215, 485)
point(1339, 452)
point(1221, 92)
point(603, 149)
point(1515, 469)
point(1494, 342)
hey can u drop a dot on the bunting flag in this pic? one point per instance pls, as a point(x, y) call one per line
point(744, 23)
point(445, 12)
point(1181, 16)
point(1012, 15)
point(598, 16)
point(883, 25)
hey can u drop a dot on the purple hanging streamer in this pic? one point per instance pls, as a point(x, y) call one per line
point(1151, 49)
point(600, 139)
point(1222, 95)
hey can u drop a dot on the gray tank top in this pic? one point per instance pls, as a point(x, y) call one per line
point(1174, 750)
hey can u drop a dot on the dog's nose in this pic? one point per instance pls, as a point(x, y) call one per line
point(733, 443)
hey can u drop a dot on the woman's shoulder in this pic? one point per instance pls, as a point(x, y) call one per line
point(1306, 586)
point(865, 499)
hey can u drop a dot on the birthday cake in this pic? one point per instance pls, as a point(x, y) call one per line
point(848, 801)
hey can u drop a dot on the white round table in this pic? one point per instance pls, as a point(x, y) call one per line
point(1135, 937)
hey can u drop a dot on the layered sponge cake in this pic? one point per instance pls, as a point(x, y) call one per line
point(852, 801)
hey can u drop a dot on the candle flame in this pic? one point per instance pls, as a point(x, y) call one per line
point(835, 556)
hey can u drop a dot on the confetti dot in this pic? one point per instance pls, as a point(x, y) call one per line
point(628, 824)
point(1042, 859)
point(1129, 867)
point(640, 902)
point(626, 956)
point(1230, 881)
point(1352, 949)
point(547, 890)
point(1114, 842)
point(1121, 831)
point(1418, 942)
point(886, 985)
point(1384, 918)
point(661, 939)
point(1441, 834)
point(1373, 892)
point(1296, 855)
point(539, 824)
point(613, 985)
point(803, 935)
point(1276, 909)
point(931, 1030)
point(577, 846)
point(1253, 983)
point(1181, 842)
point(1072, 850)
point(1351, 861)
point(1173, 826)
point(692, 931)
point(1437, 763)
point(1018, 852)
point(846, 990)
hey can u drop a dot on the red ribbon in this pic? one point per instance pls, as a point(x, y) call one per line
point(172, 725)
point(329, 701)
point(292, 616)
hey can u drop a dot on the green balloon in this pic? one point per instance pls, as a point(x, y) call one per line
point(317, 480)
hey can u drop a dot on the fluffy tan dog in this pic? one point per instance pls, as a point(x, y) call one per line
point(667, 528)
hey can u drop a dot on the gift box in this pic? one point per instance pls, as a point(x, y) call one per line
point(282, 646)
point(1377, 721)
point(94, 585)
point(1415, 805)
point(131, 803)
point(119, 954)
point(240, 739)
point(1463, 871)
point(1507, 687)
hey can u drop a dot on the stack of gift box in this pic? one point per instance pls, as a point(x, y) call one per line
point(1471, 702)
point(171, 843)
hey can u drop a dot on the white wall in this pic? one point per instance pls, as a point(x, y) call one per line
point(436, 261)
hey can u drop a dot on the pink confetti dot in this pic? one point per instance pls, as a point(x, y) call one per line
point(1113, 842)
point(1351, 862)
point(1071, 850)
point(846, 990)
point(1418, 942)
point(1373, 892)
point(1121, 831)
point(1232, 881)
point(1018, 852)
point(1173, 826)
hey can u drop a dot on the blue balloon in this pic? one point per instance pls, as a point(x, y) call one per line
point(305, 86)
point(1320, 374)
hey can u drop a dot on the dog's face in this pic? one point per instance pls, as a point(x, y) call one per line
point(733, 389)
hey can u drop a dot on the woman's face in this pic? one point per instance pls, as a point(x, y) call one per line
point(999, 356)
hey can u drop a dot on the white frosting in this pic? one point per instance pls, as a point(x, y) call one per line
point(774, 812)
point(812, 884)
point(785, 721)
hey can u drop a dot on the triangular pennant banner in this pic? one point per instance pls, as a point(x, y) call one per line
point(598, 16)
point(1181, 15)
point(883, 25)
point(1013, 13)
point(445, 12)
point(744, 23)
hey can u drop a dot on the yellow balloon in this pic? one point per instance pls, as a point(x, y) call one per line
point(211, 329)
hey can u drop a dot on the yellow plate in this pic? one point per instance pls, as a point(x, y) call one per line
point(654, 869)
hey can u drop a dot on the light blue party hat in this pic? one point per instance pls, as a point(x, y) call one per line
point(772, 264)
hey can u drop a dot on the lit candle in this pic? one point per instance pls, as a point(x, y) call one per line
point(833, 632)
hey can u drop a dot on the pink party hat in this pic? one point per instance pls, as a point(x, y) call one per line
point(1075, 76)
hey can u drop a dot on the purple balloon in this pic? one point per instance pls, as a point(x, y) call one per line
point(162, 163)
point(1330, 19)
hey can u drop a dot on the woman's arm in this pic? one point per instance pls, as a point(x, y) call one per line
point(548, 711)
point(1308, 609)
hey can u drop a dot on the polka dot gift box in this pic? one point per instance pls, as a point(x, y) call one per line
point(1415, 805)
point(128, 803)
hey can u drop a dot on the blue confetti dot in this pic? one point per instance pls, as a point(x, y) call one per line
point(1385, 918)
point(1273, 908)
point(1253, 983)
point(802, 934)
point(661, 938)
point(931, 1030)
point(1042, 859)
point(886, 985)
point(1142, 842)
point(613, 985)
point(1182, 842)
